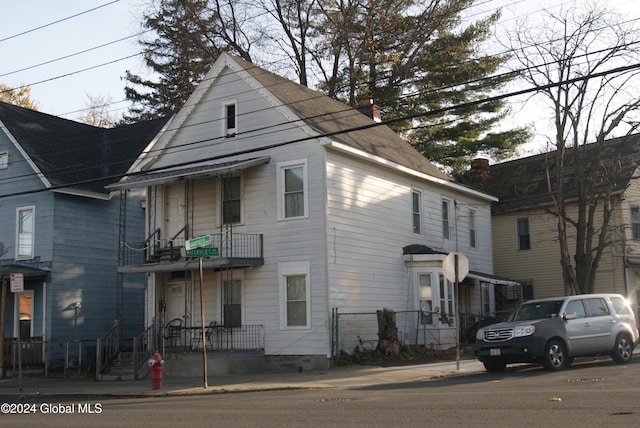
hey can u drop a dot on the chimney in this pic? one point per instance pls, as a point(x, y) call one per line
point(371, 110)
point(480, 172)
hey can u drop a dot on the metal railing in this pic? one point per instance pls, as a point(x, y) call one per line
point(249, 337)
point(107, 348)
point(229, 245)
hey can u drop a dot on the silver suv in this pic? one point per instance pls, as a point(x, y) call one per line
point(555, 331)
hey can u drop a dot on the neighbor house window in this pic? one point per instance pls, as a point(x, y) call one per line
point(25, 238)
point(447, 314)
point(231, 203)
point(295, 295)
point(635, 222)
point(523, 231)
point(232, 303)
point(426, 299)
point(472, 228)
point(230, 119)
point(417, 211)
point(292, 185)
point(446, 209)
point(4, 160)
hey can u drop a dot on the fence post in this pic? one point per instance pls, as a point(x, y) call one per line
point(98, 358)
point(135, 357)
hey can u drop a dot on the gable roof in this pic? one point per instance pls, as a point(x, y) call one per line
point(344, 124)
point(73, 155)
point(522, 183)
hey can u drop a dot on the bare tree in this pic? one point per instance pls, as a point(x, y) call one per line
point(97, 112)
point(579, 58)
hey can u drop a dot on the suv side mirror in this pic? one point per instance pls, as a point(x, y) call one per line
point(568, 317)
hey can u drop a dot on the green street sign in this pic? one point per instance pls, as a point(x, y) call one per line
point(200, 241)
point(203, 252)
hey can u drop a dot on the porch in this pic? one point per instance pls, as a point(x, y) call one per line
point(156, 254)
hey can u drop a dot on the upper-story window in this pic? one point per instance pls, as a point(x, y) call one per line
point(446, 219)
point(523, 233)
point(292, 189)
point(635, 222)
point(417, 211)
point(230, 119)
point(25, 236)
point(472, 228)
point(231, 200)
point(4, 160)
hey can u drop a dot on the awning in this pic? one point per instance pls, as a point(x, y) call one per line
point(195, 170)
point(28, 272)
point(493, 279)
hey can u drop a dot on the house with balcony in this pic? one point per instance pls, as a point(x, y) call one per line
point(59, 232)
point(272, 211)
point(525, 234)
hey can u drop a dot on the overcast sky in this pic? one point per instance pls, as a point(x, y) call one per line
point(69, 50)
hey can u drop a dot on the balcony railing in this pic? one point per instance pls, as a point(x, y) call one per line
point(227, 245)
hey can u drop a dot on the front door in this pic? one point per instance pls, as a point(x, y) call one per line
point(174, 209)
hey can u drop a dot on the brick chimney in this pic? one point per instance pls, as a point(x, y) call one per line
point(371, 110)
point(480, 175)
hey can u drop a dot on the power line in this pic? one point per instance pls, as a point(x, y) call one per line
point(329, 134)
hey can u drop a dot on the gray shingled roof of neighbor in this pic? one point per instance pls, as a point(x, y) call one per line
point(522, 183)
point(74, 155)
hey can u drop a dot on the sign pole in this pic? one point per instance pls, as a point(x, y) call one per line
point(204, 343)
point(457, 318)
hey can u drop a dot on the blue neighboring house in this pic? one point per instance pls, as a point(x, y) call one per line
point(61, 230)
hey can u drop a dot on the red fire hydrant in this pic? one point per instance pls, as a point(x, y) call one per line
point(156, 364)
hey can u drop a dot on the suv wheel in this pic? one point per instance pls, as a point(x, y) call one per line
point(623, 349)
point(555, 355)
point(494, 366)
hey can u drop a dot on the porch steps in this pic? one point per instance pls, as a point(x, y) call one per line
point(121, 368)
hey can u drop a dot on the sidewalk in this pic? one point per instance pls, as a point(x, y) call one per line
point(341, 377)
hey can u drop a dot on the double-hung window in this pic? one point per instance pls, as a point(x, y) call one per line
point(472, 228)
point(523, 233)
point(292, 190)
point(426, 299)
point(446, 219)
point(635, 222)
point(232, 303)
point(25, 232)
point(417, 211)
point(231, 200)
point(295, 292)
point(447, 308)
point(4, 160)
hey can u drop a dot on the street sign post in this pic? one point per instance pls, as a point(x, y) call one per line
point(202, 252)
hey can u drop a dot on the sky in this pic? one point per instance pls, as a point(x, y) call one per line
point(70, 50)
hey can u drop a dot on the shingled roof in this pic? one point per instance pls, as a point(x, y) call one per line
point(75, 155)
point(332, 118)
point(522, 183)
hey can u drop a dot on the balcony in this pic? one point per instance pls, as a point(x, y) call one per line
point(164, 255)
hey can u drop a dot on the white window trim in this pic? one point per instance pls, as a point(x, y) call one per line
point(226, 131)
point(31, 208)
point(281, 167)
point(4, 165)
point(221, 193)
point(449, 219)
point(518, 233)
point(237, 276)
point(286, 269)
point(473, 214)
point(16, 312)
point(415, 191)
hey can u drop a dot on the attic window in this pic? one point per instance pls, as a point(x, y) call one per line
point(4, 160)
point(230, 119)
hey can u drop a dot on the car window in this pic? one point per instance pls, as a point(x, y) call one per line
point(597, 307)
point(576, 307)
point(537, 311)
point(620, 306)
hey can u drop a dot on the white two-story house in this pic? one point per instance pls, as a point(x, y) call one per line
point(306, 208)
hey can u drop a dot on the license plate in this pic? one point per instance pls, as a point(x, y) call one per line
point(494, 352)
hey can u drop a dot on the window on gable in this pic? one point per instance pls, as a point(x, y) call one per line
point(523, 233)
point(292, 190)
point(230, 119)
point(25, 228)
point(4, 160)
point(472, 228)
point(446, 232)
point(417, 212)
point(231, 200)
point(635, 222)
